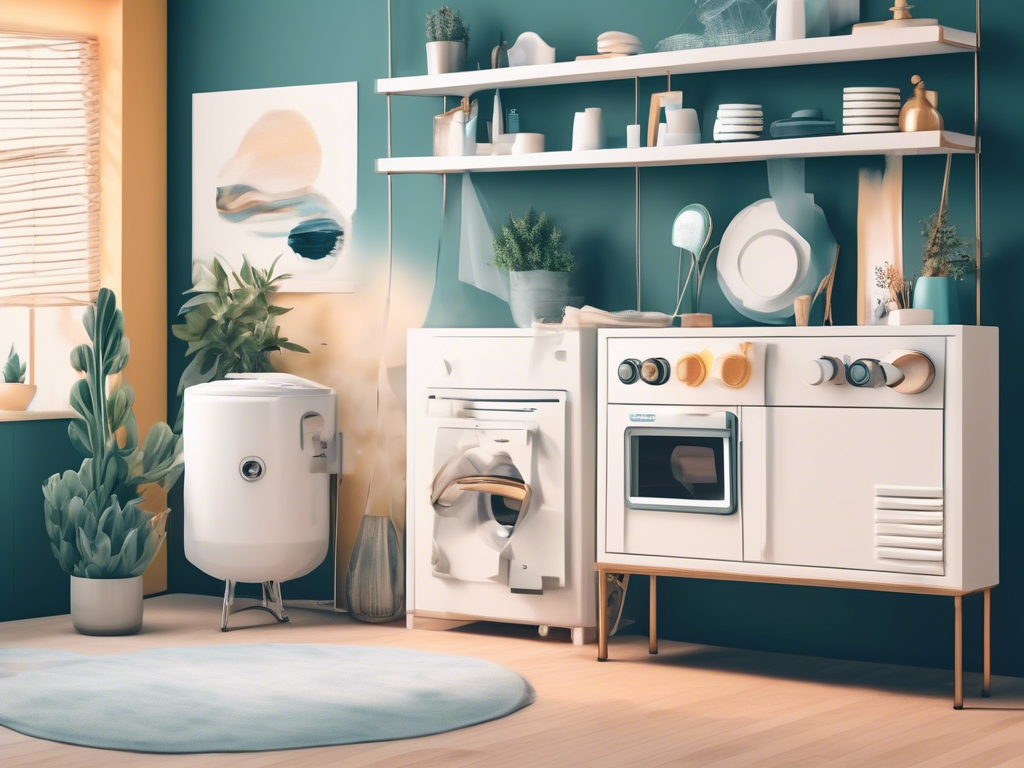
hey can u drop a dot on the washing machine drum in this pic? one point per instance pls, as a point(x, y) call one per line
point(487, 485)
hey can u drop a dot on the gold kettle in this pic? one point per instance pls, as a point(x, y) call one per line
point(920, 113)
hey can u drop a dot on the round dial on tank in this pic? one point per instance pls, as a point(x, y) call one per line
point(629, 371)
point(655, 370)
point(691, 370)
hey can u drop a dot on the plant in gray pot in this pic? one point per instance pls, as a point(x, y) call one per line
point(947, 260)
point(539, 266)
point(98, 532)
point(447, 41)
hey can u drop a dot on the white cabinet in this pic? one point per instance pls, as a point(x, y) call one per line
point(841, 489)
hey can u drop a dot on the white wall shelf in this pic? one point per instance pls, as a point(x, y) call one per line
point(864, 46)
point(922, 143)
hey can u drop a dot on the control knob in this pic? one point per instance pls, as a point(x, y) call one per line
point(733, 368)
point(629, 371)
point(691, 370)
point(655, 370)
point(823, 370)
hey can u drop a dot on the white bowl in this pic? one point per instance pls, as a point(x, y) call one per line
point(679, 139)
point(527, 143)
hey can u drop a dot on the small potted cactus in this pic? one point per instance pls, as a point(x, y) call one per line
point(97, 530)
point(15, 394)
point(447, 41)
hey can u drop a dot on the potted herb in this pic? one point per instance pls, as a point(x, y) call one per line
point(230, 328)
point(98, 532)
point(947, 260)
point(447, 41)
point(895, 309)
point(539, 266)
point(15, 394)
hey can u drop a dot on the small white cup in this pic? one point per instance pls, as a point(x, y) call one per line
point(528, 143)
point(633, 136)
point(682, 121)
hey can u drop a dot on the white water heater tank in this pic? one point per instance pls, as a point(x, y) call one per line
point(259, 453)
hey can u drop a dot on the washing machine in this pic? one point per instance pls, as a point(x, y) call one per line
point(501, 491)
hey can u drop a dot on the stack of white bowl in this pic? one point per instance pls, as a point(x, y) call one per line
point(871, 109)
point(619, 43)
point(739, 122)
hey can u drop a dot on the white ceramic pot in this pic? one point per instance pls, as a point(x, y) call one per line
point(790, 20)
point(910, 317)
point(444, 56)
point(16, 397)
point(106, 606)
point(538, 295)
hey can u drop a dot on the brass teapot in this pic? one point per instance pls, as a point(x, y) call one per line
point(920, 113)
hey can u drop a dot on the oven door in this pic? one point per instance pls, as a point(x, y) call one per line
point(673, 481)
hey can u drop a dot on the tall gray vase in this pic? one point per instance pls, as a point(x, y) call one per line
point(376, 572)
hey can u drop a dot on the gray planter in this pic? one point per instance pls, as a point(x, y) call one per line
point(444, 56)
point(106, 606)
point(538, 295)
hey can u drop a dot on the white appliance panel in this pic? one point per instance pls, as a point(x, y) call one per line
point(824, 481)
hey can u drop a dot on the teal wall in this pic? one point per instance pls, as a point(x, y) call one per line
point(31, 582)
point(234, 44)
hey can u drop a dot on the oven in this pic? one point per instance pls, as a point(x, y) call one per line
point(673, 480)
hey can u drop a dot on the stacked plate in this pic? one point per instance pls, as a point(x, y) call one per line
point(869, 109)
point(739, 122)
point(620, 43)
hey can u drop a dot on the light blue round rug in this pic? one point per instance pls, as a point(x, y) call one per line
point(246, 698)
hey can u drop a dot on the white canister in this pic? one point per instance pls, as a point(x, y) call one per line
point(633, 136)
point(790, 20)
point(588, 130)
point(681, 121)
point(527, 143)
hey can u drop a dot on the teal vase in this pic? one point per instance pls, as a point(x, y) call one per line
point(940, 296)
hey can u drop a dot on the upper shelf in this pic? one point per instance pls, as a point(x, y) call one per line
point(920, 143)
point(881, 43)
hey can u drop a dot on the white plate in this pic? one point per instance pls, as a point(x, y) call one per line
point(871, 121)
point(738, 113)
point(871, 97)
point(736, 137)
point(871, 89)
point(762, 259)
point(739, 106)
point(890, 105)
point(617, 37)
point(871, 113)
point(871, 128)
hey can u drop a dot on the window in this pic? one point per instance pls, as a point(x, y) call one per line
point(49, 200)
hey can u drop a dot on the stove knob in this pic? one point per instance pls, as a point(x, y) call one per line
point(732, 369)
point(824, 370)
point(629, 371)
point(691, 370)
point(866, 373)
point(655, 370)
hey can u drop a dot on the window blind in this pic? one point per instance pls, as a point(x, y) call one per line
point(49, 170)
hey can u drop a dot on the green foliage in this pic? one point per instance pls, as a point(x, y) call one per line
point(14, 369)
point(445, 24)
point(93, 519)
point(946, 254)
point(230, 329)
point(531, 242)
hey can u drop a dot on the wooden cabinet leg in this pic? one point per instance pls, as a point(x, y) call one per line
point(986, 683)
point(958, 652)
point(602, 616)
point(652, 635)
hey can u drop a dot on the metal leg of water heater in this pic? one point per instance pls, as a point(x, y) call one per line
point(272, 602)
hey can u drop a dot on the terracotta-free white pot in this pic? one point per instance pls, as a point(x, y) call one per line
point(16, 397)
point(444, 56)
point(106, 606)
point(538, 295)
point(910, 317)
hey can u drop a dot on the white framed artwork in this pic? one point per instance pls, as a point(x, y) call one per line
point(274, 174)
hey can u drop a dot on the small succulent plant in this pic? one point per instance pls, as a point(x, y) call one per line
point(446, 25)
point(531, 242)
point(230, 329)
point(97, 529)
point(14, 369)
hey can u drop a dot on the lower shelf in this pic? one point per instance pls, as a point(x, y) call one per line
point(840, 145)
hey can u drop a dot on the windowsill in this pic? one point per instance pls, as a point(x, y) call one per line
point(36, 415)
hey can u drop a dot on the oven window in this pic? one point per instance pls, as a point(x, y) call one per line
point(680, 467)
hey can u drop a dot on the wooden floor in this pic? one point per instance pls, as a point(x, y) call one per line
point(690, 705)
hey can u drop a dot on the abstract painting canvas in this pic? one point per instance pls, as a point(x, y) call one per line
point(274, 175)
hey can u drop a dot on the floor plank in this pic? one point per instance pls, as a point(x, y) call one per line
point(689, 705)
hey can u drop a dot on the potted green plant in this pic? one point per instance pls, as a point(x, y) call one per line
point(947, 260)
point(230, 328)
point(15, 394)
point(98, 532)
point(447, 41)
point(539, 266)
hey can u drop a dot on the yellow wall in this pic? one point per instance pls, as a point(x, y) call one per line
point(132, 38)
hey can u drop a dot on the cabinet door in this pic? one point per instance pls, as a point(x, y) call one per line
point(830, 476)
